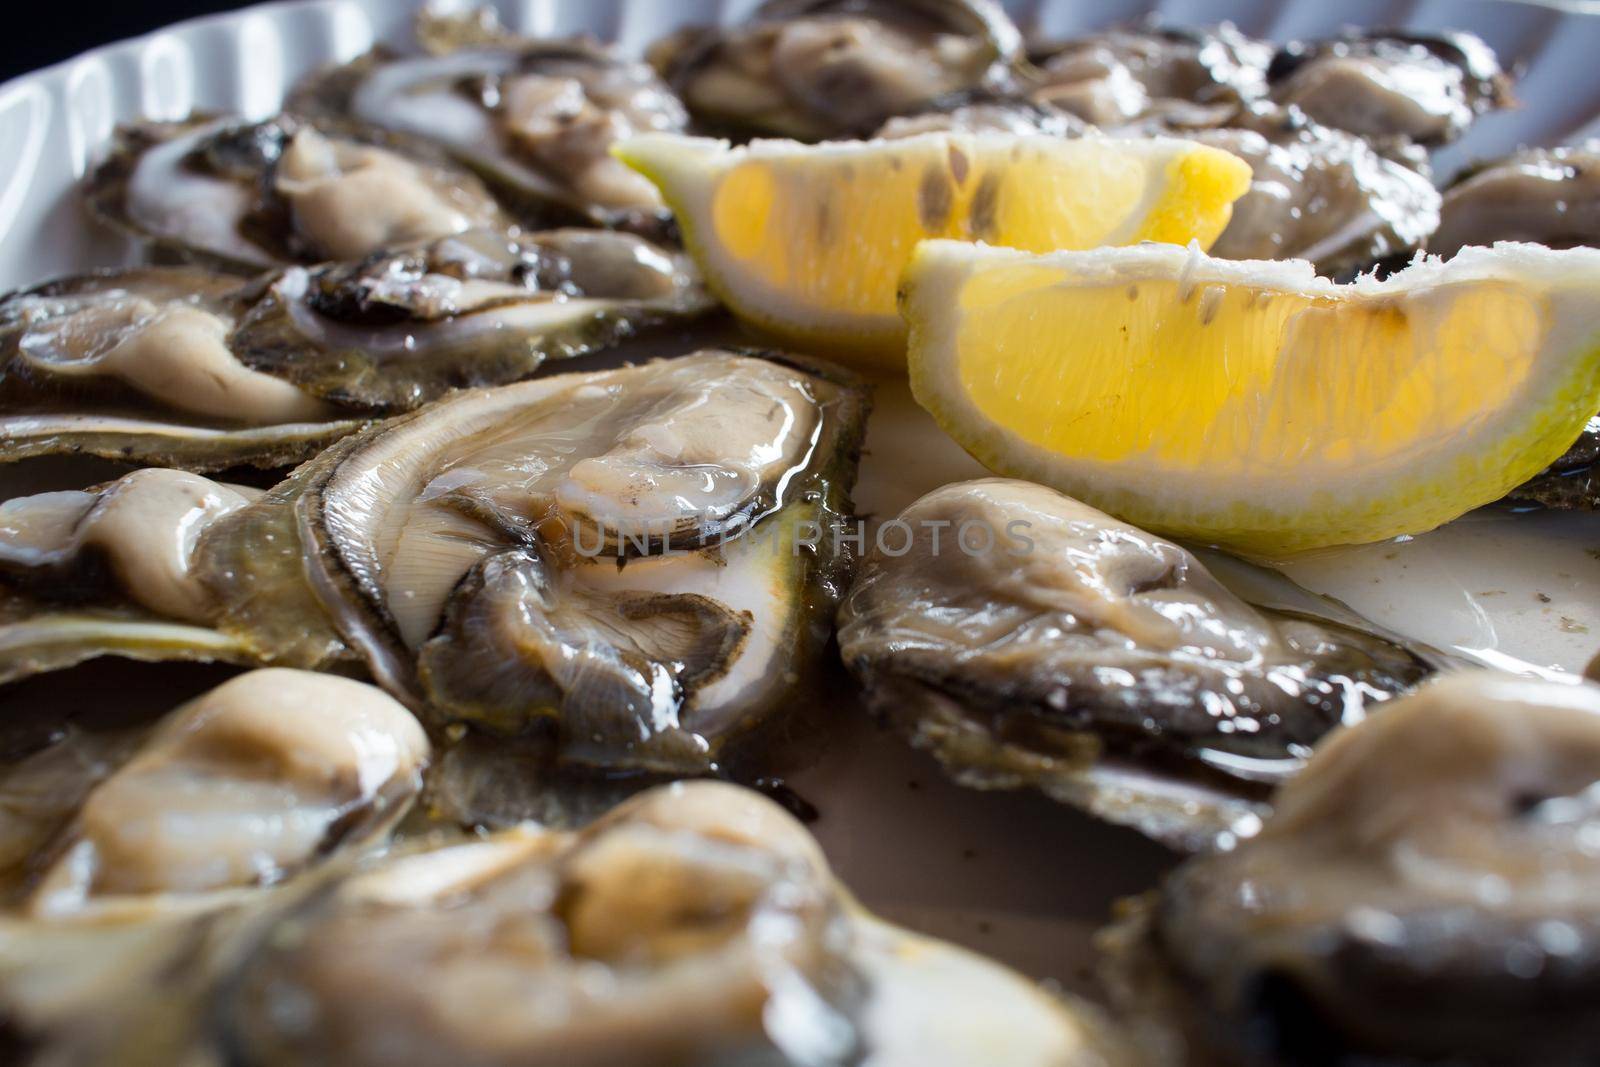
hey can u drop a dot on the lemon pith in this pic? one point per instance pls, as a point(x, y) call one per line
point(1255, 405)
point(808, 241)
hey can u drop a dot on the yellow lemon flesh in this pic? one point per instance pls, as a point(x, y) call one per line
point(808, 241)
point(1254, 404)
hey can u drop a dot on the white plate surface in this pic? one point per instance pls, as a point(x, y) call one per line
point(1012, 875)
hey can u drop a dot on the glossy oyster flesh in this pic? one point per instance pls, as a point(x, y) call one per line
point(825, 69)
point(1190, 78)
point(1388, 85)
point(697, 923)
point(1548, 196)
point(256, 195)
point(180, 367)
point(1320, 194)
point(131, 853)
point(111, 570)
point(478, 308)
point(984, 112)
point(535, 119)
point(1027, 640)
point(628, 565)
point(1425, 889)
point(137, 364)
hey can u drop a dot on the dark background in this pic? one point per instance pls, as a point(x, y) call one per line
point(40, 32)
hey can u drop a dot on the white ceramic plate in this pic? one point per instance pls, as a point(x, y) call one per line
point(1015, 876)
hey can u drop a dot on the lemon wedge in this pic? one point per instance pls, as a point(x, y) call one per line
point(1253, 404)
point(807, 242)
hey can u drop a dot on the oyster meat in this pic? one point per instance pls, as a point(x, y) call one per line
point(477, 308)
point(255, 195)
point(1571, 482)
point(137, 364)
point(698, 923)
point(1389, 86)
point(1548, 196)
point(985, 112)
point(826, 69)
point(181, 367)
point(534, 118)
point(1320, 194)
point(1025, 639)
point(110, 570)
point(1188, 78)
point(142, 855)
point(1425, 893)
point(629, 565)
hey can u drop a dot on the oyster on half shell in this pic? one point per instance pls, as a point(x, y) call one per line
point(133, 856)
point(534, 118)
point(251, 196)
point(827, 69)
point(626, 567)
point(1026, 639)
point(696, 924)
point(184, 368)
point(1425, 891)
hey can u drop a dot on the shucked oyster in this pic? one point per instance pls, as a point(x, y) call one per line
point(1425, 893)
point(536, 119)
point(1549, 196)
point(179, 367)
point(1319, 193)
point(1389, 85)
point(696, 924)
point(110, 570)
point(1193, 78)
point(478, 308)
point(129, 869)
point(255, 195)
point(1026, 639)
point(628, 566)
point(137, 364)
point(821, 69)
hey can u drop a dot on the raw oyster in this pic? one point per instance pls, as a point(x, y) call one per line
point(1548, 196)
point(628, 566)
point(478, 308)
point(825, 69)
point(1425, 891)
point(1319, 194)
point(1191, 78)
point(177, 366)
point(984, 112)
point(133, 861)
point(697, 923)
point(136, 364)
point(1389, 85)
point(535, 119)
point(110, 570)
point(1041, 643)
point(255, 195)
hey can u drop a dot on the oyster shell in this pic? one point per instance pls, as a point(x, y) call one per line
point(534, 118)
point(136, 364)
point(1388, 85)
point(826, 69)
point(1548, 196)
point(181, 367)
point(1057, 648)
point(479, 308)
point(697, 923)
point(1191, 78)
point(252, 195)
point(1424, 891)
point(110, 570)
point(627, 566)
point(1320, 194)
point(133, 857)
